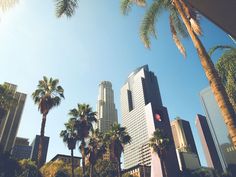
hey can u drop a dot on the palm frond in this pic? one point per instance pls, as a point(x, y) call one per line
point(125, 6)
point(6, 4)
point(195, 26)
point(148, 23)
point(66, 7)
point(176, 39)
point(221, 47)
point(181, 30)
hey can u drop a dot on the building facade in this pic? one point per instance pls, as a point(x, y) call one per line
point(10, 123)
point(209, 148)
point(21, 149)
point(106, 111)
point(219, 131)
point(35, 148)
point(185, 145)
point(67, 159)
point(142, 112)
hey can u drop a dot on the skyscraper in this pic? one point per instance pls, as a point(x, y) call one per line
point(208, 144)
point(142, 112)
point(219, 131)
point(183, 136)
point(185, 145)
point(35, 148)
point(106, 111)
point(21, 149)
point(10, 123)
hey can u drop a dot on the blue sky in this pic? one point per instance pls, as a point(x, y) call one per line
point(97, 44)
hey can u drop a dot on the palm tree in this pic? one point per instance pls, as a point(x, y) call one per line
point(117, 138)
point(226, 67)
point(6, 100)
point(160, 144)
point(96, 149)
point(85, 117)
point(47, 96)
point(183, 23)
point(69, 136)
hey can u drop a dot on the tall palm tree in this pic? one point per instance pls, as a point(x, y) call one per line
point(226, 67)
point(160, 144)
point(183, 23)
point(96, 149)
point(85, 118)
point(117, 138)
point(69, 136)
point(47, 96)
point(6, 100)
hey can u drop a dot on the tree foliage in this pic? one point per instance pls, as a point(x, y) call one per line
point(6, 100)
point(226, 67)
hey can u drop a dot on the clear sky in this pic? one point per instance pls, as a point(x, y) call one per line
point(97, 44)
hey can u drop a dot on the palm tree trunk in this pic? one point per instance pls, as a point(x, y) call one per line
point(83, 157)
point(72, 162)
point(41, 143)
point(91, 170)
point(212, 75)
point(118, 167)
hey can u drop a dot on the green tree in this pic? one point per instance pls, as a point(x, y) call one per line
point(6, 100)
point(47, 96)
point(105, 168)
point(85, 117)
point(28, 168)
point(96, 149)
point(52, 168)
point(117, 138)
point(226, 67)
point(183, 23)
point(160, 144)
point(69, 136)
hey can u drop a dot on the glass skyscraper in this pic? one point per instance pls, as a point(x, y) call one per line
point(142, 112)
point(219, 131)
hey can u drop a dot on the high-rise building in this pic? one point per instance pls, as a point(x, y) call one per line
point(142, 112)
point(10, 123)
point(35, 148)
point(219, 131)
point(185, 144)
point(21, 149)
point(183, 136)
point(106, 111)
point(208, 144)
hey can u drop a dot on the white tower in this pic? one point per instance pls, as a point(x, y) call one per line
point(106, 111)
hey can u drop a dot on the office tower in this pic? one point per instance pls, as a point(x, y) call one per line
point(106, 111)
point(35, 148)
point(142, 112)
point(185, 145)
point(183, 136)
point(21, 149)
point(10, 123)
point(219, 131)
point(208, 144)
